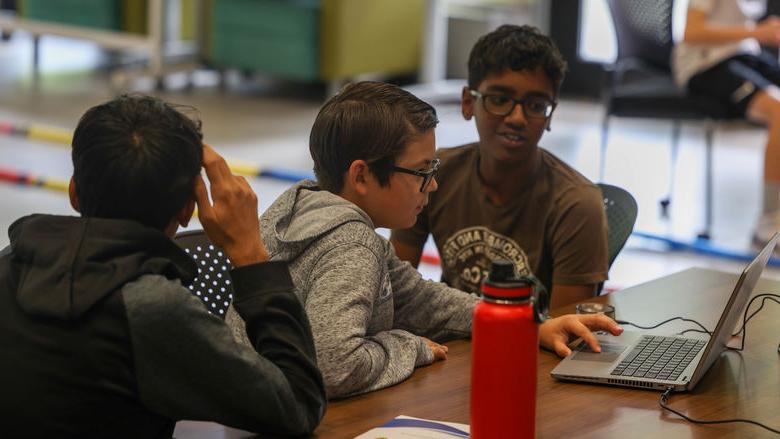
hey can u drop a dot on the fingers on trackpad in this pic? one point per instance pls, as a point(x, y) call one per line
point(609, 352)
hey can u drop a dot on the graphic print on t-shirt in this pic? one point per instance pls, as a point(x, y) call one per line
point(467, 254)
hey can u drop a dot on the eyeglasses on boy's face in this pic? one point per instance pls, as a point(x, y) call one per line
point(427, 175)
point(534, 107)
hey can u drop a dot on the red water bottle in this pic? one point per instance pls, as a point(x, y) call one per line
point(504, 351)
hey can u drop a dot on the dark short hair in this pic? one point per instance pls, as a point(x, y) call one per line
point(371, 121)
point(515, 48)
point(136, 157)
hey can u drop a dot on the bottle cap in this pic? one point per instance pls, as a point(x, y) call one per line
point(502, 271)
point(503, 283)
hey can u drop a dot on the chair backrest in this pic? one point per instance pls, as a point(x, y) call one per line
point(621, 210)
point(644, 30)
point(212, 285)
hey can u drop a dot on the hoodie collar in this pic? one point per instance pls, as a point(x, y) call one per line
point(304, 213)
point(62, 266)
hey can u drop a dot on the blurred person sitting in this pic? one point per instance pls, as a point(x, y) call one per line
point(721, 57)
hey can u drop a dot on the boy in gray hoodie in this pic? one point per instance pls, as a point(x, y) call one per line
point(373, 317)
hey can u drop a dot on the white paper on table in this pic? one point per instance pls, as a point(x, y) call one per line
point(406, 427)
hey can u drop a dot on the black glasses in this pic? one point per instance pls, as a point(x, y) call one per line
point(534, 107)
point(426, 175)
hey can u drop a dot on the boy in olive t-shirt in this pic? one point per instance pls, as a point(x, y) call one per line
point(504, 197)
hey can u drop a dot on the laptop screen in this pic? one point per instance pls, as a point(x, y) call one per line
point(733, 310)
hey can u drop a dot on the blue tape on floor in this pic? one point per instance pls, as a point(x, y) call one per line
point(290, 176)
point(705, 247)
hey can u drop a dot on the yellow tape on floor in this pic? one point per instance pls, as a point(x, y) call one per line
point(50, 135)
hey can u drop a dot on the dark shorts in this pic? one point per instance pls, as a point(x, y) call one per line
point(736, 80)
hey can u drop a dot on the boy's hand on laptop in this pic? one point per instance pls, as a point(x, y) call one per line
point(555, 334)
point(439, 350)
point(230, 218)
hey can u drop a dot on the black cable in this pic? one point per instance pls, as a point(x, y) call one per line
point(665, 399)
point(693, 330)
point(742, 330)
point(746, 318)
point(704, 329)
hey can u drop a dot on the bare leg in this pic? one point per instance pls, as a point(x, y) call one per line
point(765, 108)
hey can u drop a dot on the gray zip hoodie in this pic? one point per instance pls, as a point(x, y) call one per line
point(367, 308)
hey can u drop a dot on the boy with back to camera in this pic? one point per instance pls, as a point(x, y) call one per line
point(98, 336)
point(374, 318)
point(505, 197)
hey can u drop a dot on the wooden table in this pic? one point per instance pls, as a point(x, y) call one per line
point(745, 385)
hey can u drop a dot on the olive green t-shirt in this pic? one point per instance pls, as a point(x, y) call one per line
point(555, 229)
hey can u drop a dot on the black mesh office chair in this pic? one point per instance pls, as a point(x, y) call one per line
point(640, 84)
point(621, 209)
point(212, 285)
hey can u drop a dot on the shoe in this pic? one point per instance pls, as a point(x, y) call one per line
point(766, 226)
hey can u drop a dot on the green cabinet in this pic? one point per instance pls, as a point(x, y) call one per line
point(99, 14)
point(316, 40)
point(273, 36)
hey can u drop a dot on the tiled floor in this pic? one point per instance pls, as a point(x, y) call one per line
point(268, 124)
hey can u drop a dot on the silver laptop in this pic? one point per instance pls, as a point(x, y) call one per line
point(649, 361)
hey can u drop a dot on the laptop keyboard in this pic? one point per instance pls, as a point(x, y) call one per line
point(663, 358)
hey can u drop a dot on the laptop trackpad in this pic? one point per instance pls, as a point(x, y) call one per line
point(610, 352)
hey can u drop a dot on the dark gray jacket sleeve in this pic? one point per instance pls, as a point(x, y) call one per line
point(189, 366)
